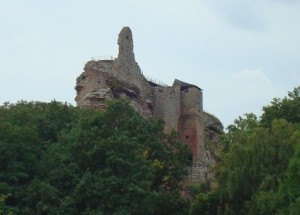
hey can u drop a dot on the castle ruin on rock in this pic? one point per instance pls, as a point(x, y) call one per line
point(179, 105)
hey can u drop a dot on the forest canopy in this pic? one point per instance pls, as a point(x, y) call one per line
point(259, 172)
point(59, 159)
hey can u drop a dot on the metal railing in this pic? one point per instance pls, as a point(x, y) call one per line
point(155, 81)
point(106, 57)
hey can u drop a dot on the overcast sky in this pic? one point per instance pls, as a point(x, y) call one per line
point(242, 53)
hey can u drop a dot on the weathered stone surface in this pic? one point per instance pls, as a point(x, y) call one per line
point(125, 42)
point(125, 68)
point(213, 130)
point(180, 105)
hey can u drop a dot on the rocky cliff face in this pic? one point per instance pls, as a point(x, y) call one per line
point(213, 130)
point(179, 105)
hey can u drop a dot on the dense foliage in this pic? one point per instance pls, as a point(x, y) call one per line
point(260, 168)
point(58, 159)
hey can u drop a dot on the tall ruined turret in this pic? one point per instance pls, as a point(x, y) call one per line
point(126, 69)
point(125, 43)
point(180, 105)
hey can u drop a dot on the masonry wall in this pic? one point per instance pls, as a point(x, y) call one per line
point(130, 73)
point(167, 105)
point(190, 119)
point(199, 172)
point(125, 67)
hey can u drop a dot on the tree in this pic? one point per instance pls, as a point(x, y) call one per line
point(286, 108)
point(125, 164)
point(259, 171)
point(286, 198)
point(57, 159)
point(26, 131)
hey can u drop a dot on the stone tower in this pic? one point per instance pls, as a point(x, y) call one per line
point(125, 67)
point(179, 105)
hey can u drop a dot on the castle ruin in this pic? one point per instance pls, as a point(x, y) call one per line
point(179, 105)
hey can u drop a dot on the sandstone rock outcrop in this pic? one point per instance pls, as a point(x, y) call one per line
point(213, 130)
point(179, 105)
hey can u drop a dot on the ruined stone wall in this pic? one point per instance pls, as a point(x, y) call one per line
point(191, 130)
point(91, 86)
point(125, 67)
point(131, 74)
point(167, 105)
point(199, 172)
point(180, 106)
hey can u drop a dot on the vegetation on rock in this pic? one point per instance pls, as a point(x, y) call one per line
point(213, 131)
point(117, 87)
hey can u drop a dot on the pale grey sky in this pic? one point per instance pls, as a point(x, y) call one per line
point(241, 53)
